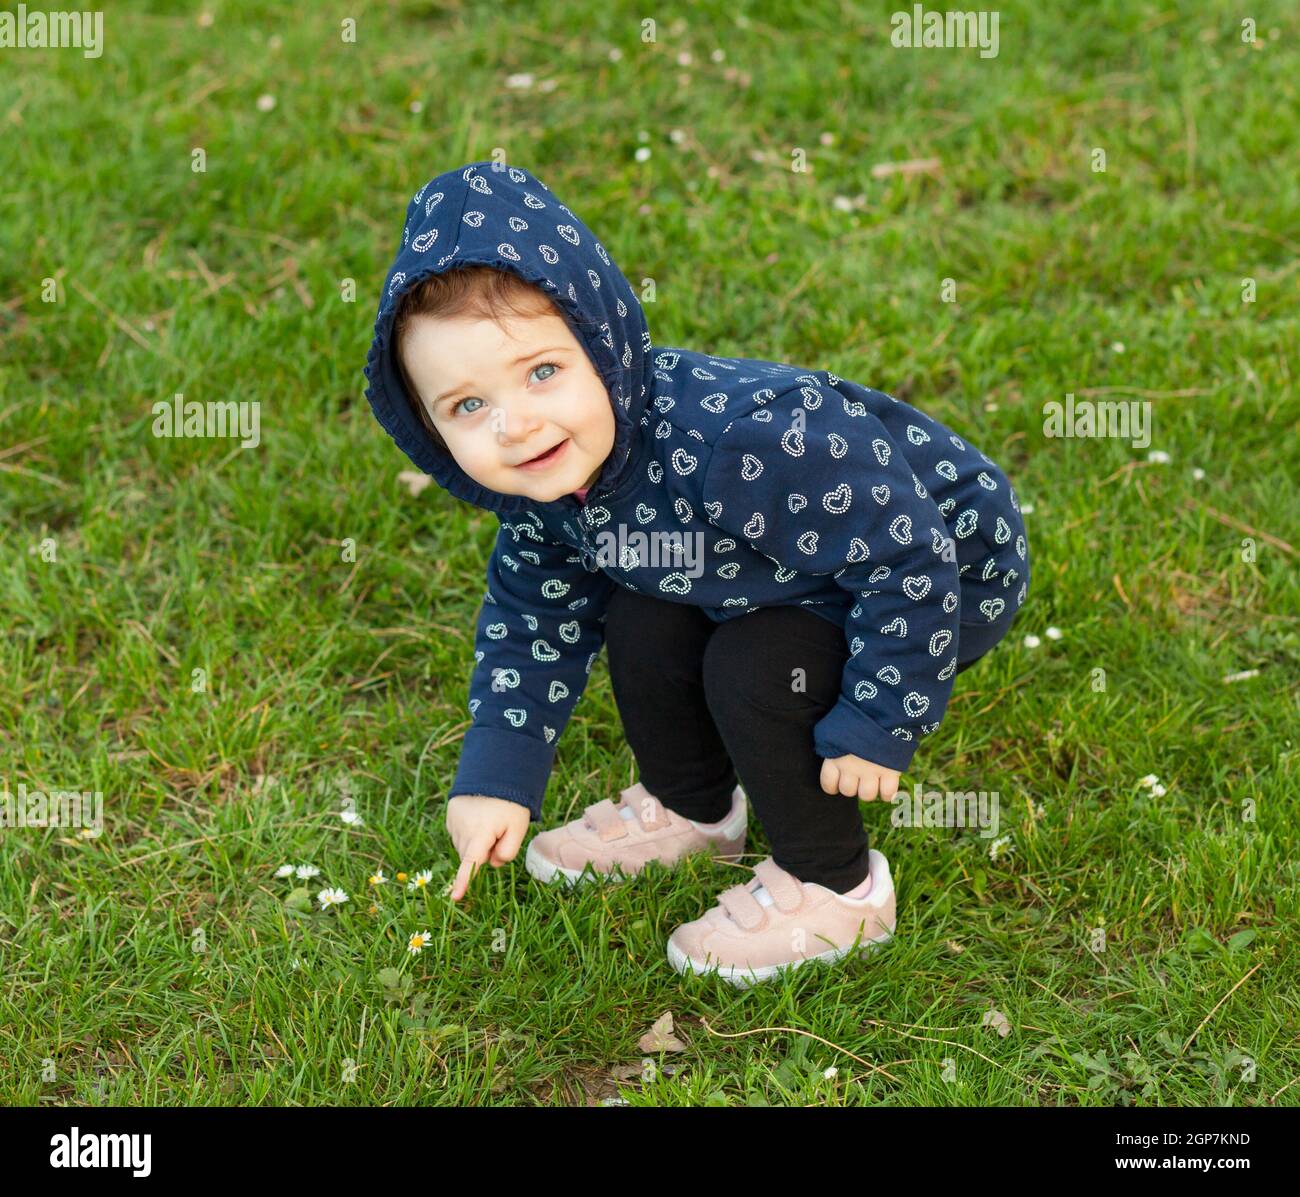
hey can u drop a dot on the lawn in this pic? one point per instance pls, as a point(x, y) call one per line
point(237, 646)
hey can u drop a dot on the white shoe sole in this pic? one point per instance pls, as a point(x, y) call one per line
point(743, 978)
point(544, 870)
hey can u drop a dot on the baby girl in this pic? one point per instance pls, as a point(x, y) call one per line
point(787, 568)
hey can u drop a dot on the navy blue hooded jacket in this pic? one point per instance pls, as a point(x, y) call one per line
point(796, 486)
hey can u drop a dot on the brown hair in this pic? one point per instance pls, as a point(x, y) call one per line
point(462, 291)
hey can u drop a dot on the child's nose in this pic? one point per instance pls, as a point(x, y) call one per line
point(518, 424)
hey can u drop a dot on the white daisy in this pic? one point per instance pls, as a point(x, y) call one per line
point(351, 818)
point(420, 880)
point(1159, 456)
point(284, 871)
point(418, 942)
point(307, 871)
point(331, 897)
point(1149, 780)
point(1053, 633)
point(1032, 641)
point(378, 878)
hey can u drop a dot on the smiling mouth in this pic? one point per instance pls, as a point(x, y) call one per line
point(542, 458)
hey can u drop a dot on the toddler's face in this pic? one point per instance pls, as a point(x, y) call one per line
point(501, 396)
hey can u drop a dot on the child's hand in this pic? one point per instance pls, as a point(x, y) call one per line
point(854, 777)
point(483, 828)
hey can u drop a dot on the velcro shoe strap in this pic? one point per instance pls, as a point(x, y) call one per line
point(649, 811)
point(786, 891)
point(743, 907)
point(603, 818)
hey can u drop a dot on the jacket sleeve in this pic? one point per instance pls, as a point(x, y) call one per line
point(540, 630)
point(817, 484)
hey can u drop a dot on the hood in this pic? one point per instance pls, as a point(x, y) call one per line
point(490, 214)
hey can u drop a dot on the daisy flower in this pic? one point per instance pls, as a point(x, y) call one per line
point(351, 818)
point(331, 897)
point(307, 871)
point(1000, 847)
point(418, 942)
point(1149, 780)
point(1053, 633)
point(284, 871)
point(420, 880)
point(378, 878)
point(1032, 641)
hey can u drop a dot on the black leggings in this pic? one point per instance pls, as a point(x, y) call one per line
point(702, 701)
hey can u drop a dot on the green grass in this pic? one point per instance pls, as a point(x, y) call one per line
point(327, 677)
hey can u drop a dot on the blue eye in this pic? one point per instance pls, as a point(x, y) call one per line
point(459, 403)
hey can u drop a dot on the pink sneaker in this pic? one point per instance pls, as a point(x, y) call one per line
point(623, 837)
point(775, 921)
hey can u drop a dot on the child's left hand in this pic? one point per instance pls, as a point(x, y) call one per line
point(854, 777)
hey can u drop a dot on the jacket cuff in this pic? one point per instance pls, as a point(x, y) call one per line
point(504, 764)
point(845, 730)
